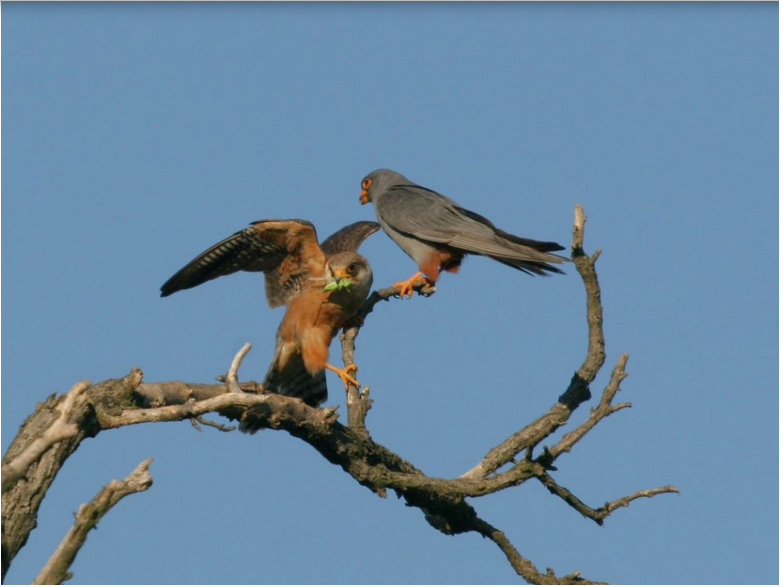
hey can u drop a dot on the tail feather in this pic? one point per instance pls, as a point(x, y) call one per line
point(528, 267)
point(543, 246)
point(292, 380)
point(525, 258)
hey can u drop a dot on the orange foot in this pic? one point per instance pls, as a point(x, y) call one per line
point(344, 374)
point(406, 287)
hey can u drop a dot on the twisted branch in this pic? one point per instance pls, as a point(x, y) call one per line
point(56, 569)
point(59, 429)
point(443, 501)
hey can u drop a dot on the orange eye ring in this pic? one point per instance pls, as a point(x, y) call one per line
point(366, 183)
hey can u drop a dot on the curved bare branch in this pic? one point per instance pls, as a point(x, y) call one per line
point(128, 401)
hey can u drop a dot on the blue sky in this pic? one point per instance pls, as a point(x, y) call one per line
point(136, 135)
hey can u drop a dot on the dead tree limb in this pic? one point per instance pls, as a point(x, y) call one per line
point(56, 569)
point(34, 458)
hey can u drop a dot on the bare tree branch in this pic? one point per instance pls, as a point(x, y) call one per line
point(20, 503)
point(199, 421)
point(578, 390)
point(231, 376)
point(443, 502)
point(359, 402)
point(604, 409)
point(525, 568)
point(598, 515)
point(58, 430)
point(596, 355)
point(56, 569)
point(626, 501)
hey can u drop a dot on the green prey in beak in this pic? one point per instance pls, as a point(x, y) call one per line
point(340, 281)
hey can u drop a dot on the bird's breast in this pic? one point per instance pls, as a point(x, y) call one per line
point(312, 310)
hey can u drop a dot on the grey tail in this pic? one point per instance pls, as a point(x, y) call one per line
point(524, 254)
point(530, 267)
point(542, 246)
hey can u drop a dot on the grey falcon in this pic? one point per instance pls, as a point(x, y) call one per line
point(437, 233)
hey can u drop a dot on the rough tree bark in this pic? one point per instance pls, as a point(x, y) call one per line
point(58, 425)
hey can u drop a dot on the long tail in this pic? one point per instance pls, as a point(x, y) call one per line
point(531, 248)
point(480, 236)
point(524, 254)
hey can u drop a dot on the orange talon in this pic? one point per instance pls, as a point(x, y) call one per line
point(406, 287)
point(344, 374)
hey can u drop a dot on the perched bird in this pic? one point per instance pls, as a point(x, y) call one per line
point(322, 286)
point(437, 233)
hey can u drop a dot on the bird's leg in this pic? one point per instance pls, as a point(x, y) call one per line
point(406, 287)
point(344, 374)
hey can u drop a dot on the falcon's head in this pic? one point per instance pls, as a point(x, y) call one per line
point(379, 181)
point(350, 279)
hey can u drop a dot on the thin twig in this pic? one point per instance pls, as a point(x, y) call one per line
point(625, 501)
point(601, 411)
point(586, 268)
point(222, 427)
point(231, 376)
point(56, 569)
point(598, 514)
point(568, 497)
point(524, 567)
point(358, 401)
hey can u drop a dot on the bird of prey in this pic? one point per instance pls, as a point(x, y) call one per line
point(322, 286)
point(437, 233)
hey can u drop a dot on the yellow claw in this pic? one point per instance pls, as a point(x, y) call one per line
point(344, 374)
point(406, 287)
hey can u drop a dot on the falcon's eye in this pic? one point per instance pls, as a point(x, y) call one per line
point(366, 183)
point(352, 268)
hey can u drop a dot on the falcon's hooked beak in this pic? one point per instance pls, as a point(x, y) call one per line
point(364, 195)
point(342, 274)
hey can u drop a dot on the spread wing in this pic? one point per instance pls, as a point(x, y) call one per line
point(349, 238)
point(286, 251)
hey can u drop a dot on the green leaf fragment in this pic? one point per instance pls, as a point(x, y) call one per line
point(342, 283)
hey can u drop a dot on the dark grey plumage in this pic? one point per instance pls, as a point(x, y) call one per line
point(437, 232)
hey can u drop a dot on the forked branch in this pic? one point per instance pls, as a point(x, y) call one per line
point(443, 502)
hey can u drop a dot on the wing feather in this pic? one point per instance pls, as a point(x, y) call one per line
point(432, 217)
point(349, 238)
point(286, 251)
